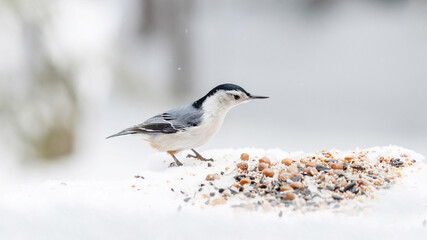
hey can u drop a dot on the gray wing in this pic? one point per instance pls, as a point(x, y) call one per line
point(172, 121)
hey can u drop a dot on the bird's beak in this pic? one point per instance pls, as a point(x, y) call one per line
point(257, 97)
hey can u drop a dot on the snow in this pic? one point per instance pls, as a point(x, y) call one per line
point(147, 208)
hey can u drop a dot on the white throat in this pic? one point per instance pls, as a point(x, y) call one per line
point(214, 112)
point(216, 108)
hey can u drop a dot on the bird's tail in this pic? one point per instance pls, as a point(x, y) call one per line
point(125, 132)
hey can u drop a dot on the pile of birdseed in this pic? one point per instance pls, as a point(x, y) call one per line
point(324, 180)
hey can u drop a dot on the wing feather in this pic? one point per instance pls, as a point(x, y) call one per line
point(173, 121)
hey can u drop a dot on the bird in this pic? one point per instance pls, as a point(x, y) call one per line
point(192, 125)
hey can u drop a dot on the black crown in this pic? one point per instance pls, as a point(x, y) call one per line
point(224, 87)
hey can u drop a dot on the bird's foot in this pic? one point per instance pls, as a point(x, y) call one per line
point(177, 163)
point(174, 164)
point(199, 157)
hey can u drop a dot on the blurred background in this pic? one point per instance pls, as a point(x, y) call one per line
point(340, 74)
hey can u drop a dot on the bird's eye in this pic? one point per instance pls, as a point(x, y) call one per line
point(236, 97)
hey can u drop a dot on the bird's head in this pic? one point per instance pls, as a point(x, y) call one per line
point(225, 96)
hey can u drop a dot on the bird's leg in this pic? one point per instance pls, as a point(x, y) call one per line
point(177, 162)
point(199, 157)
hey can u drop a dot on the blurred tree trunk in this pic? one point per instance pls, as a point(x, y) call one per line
point(42, 115)
point(171, 20)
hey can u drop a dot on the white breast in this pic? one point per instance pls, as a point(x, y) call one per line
point(194, 137)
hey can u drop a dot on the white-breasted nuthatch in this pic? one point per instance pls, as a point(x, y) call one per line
point(191, 125)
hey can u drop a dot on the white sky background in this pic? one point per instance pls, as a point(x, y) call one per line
point(350, 75)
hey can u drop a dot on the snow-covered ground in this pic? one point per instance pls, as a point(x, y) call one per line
point(145, 207)
point(266, 48)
